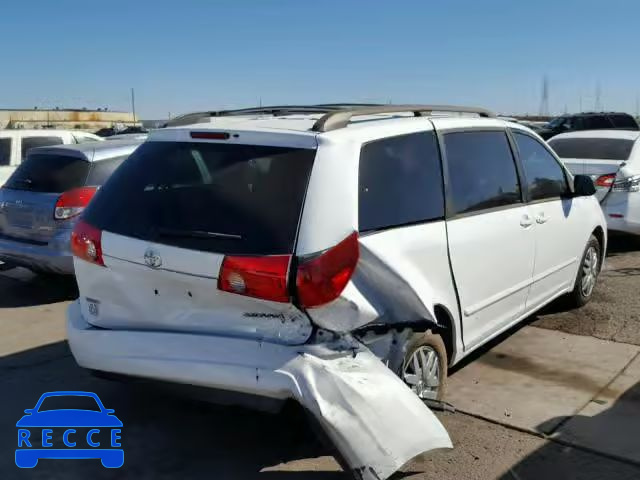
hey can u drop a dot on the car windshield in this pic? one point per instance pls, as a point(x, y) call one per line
point(69, 402)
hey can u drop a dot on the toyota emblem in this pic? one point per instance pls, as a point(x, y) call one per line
point(152, 259)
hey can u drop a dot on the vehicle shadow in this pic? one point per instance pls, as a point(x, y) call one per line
point(21, 288)
point(620, 244)
point(164, 435)
point(613, 432)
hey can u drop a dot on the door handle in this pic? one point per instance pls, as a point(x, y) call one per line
point(542, 218)
point(526, 221)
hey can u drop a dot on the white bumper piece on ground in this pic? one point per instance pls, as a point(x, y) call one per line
point(375, 421)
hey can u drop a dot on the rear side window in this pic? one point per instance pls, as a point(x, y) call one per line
point(400, 182)
point(592, 148)
point(32, 142)
point(545, 177)
point(482, 171)
point(101, 171)
point(596, 122)
point(49, 173)
point(625, 122)
point(227, 198)
point(5, 151)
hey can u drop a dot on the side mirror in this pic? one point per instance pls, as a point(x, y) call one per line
point(109, 411)
point(583, 186)
point(29, 411)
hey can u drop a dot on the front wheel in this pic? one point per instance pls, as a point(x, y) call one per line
point(587, 274)
point(424, 368)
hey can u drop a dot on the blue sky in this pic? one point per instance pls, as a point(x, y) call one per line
point(189, 55)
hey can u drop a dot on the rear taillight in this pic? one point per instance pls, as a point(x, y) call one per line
point(605, 180)
point(322, 279)
point(73, 202)
point(86, 243)
point(260, 277)
point(628, 184)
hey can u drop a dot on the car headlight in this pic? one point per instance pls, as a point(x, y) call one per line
point(629, 184)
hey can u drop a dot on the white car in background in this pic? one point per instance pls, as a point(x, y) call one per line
point(612, 159)
point(14, 145)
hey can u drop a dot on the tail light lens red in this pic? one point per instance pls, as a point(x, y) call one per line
point(319, 279)
point(86, 243)
point(322, 279)
point(260, 277)
point(73, 202)
point(606, 180)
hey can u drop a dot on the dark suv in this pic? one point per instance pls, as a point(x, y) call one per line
point(588, 121)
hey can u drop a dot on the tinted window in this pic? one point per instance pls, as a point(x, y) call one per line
point(33, 142)
point(228, 198)
point(102, 170)
point(545, 177)
point(49, 173)
point(625, 122)
point(481, 170)
point(596, 148)
point(400, 182)
point(5, 151)
point(596, 122)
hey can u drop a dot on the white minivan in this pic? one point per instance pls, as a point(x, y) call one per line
point(14, 145)
point(344, 257)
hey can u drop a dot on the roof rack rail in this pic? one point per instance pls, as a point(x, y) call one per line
point(199, 117)
point(340, 118)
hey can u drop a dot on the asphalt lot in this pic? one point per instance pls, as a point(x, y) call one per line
point(169, 436)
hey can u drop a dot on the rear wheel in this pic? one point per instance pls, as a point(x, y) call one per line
point(587, 274)
point(424, 368)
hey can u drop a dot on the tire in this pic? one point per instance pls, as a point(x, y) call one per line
point(435, 354)
point(580, 295)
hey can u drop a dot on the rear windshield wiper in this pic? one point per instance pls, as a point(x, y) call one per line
point(170, 232)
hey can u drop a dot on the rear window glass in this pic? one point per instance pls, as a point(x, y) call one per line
point(592, 148)
point(228, 198)
point(49, 173)
point(5, 151)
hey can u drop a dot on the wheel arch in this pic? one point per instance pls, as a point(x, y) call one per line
point(447, 330)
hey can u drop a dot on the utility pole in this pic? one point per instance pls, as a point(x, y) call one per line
point(133, 105)
point(580, 103)
point(598, 102)
point(544, 101)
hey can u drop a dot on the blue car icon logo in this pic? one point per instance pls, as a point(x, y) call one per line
point(69, 425)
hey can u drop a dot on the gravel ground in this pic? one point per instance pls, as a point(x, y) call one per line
point(614, 312)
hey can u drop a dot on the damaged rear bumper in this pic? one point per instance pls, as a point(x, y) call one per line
point(376, 423)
